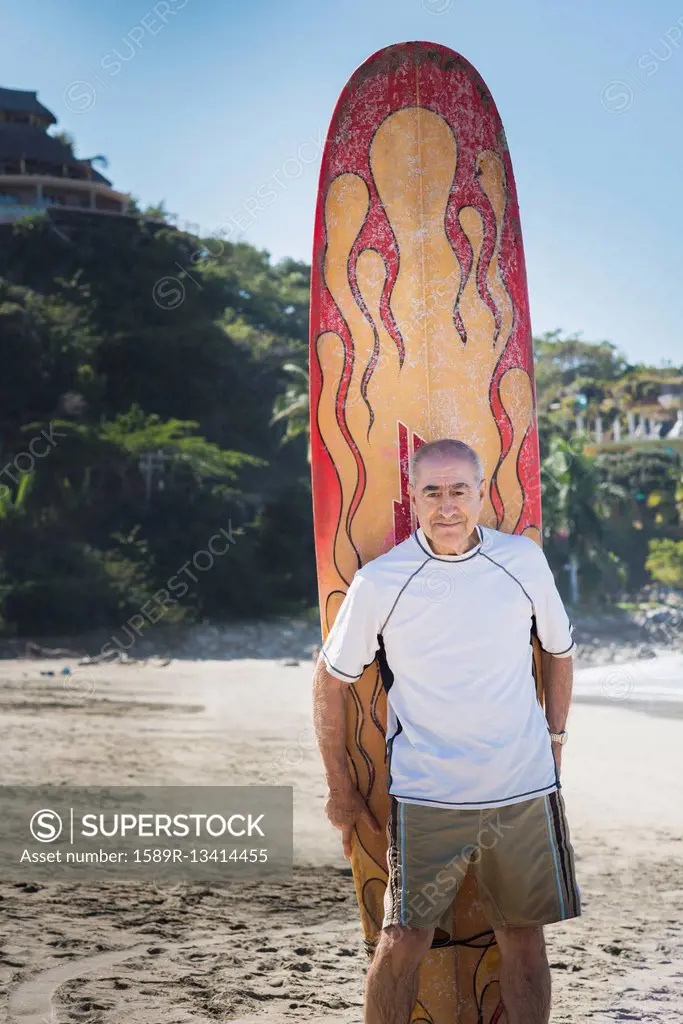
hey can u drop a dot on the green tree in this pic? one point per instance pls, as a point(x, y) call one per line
point(66, 139)
point(293, 406)
point(665, 562)
point(93, 349)
point(648, 479)
point(575, 504)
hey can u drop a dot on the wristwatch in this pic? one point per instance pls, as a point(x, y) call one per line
point(559, 737)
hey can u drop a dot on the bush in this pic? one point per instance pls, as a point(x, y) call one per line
point(665, 562)
point(51, 584)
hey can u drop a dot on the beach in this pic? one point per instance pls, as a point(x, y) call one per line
point(291, 951)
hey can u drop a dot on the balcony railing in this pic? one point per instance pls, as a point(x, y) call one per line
point(76, 171)
point(15, 211)
point(633, 428)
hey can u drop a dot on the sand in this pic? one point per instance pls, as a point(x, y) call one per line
point(142, 953)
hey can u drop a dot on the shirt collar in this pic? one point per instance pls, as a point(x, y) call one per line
point(421, 539)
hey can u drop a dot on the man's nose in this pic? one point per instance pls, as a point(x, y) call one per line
point(449, 504)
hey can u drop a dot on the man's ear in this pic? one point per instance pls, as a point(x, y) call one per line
point(482, 489)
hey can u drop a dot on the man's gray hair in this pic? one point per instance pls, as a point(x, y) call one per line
point(446, 446)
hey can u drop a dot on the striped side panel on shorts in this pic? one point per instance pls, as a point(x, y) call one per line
point(394, 861)
point(560, 832)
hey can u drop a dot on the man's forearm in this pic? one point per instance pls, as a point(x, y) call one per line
point(329, 720)
point(558, 676)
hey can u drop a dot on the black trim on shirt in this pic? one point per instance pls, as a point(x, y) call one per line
point(347, 674)
point(552, 788)
point(391, 610)
point(557, 654)
point(534, 632)
point(390, 747)
point(387, 676)
point(494, 562)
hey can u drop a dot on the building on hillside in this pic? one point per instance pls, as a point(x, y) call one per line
point(643, 425)
point(40, 171)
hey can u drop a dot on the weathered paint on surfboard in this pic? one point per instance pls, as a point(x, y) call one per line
point(419, 329)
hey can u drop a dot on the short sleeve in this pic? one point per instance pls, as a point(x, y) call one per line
point(553, 626)
point(352, 643)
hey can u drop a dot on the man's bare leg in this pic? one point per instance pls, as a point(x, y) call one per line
point(524, 975)
point(391, 984)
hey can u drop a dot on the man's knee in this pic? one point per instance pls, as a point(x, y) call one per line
point(525, 945)
point(403, 944)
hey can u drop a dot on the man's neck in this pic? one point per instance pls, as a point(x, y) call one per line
point(470, 543)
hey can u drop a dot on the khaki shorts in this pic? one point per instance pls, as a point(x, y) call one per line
point(521, 855)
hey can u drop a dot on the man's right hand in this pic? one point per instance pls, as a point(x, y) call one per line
point(344, 808)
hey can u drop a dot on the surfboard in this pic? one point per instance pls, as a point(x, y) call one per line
point(419, 329)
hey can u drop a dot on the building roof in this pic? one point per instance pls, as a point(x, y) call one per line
point(23, 140)
point(17, 99)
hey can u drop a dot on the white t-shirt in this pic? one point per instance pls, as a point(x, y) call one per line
point(452, 634)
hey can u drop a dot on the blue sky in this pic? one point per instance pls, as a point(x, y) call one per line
point(200, 102)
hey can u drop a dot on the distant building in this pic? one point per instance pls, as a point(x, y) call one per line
point(38, 171)
point(654, 424)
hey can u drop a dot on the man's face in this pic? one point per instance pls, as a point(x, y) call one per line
point(448, 500)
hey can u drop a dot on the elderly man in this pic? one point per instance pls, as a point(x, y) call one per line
point(474, 763)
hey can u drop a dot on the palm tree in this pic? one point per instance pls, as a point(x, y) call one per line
point(99, 159)
point(17, 504)
point(68, 140)
point(159, 211)
point(575, 504)
point(293, 406)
